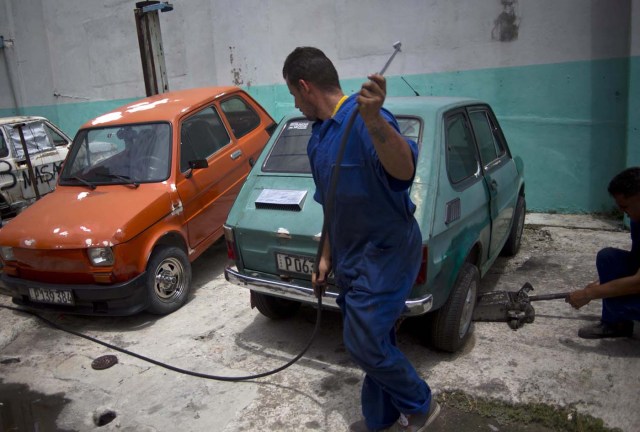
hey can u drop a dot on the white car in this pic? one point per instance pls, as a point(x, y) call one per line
point(21, 172)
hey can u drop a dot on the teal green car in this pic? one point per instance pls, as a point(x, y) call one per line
point(470, 198)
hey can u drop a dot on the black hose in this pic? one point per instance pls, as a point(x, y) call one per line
point(328, 207)
point(174, 368)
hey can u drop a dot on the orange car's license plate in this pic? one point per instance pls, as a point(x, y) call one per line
point(53, 296)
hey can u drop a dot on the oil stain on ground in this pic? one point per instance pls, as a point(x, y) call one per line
point(462, 412)
point(27, 411)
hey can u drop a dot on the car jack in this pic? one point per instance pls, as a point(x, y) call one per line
point(512, 307)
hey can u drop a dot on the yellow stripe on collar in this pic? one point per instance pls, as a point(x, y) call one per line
point(335, 110)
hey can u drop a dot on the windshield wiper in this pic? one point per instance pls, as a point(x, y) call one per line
point(126, 179)
point(84, 182)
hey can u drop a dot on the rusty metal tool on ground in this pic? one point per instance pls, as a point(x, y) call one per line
point(512, 307)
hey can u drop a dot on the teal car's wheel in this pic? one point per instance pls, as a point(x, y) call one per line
point(274, 307)
point(168, 279)
point(451, 324)
point(512, 246)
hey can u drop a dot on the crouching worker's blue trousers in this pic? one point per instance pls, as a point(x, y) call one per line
point(613, 264)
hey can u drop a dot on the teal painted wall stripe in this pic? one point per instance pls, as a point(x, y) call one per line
point(633, 117)
point(575, 124)
point(69, 117)
point(568, 122)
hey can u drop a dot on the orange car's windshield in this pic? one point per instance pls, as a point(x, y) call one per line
point(117, 155)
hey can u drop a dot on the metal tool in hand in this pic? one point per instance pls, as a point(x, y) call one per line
point(318, 288)
point(396, 50)
point(512, 307)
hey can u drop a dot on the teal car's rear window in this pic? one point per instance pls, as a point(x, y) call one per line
point(289, 152)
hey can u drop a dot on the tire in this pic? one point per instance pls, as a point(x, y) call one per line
point(512, 246)
point(451, 324)
point(274, 307)
point(168, 279)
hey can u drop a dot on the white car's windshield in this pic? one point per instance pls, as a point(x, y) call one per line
point(116, 155)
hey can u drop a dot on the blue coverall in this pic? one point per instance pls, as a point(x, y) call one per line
point(613, 264)
point(376, 252)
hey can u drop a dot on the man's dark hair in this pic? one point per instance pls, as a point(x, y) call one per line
point(626, 183)
point(310, 64)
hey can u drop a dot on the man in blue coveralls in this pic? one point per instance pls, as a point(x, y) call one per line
point(618, 270)
point(374, 243)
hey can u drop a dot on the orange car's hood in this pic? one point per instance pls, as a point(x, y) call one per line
point(76, 217)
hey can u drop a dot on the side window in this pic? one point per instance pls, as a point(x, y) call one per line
point(242, 118)
point(201, 135)
point(58, 140)
point(35, 138)
point(410, 128)
point(461, 153)
point(4, 150)
point(490, 148)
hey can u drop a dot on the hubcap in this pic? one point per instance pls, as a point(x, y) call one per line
point(169, 279)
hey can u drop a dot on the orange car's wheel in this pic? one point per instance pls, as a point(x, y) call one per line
point(168, 279)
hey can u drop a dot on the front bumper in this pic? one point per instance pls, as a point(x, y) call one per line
point(126, 298)
point(413, 307)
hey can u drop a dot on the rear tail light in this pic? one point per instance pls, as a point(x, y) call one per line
point(422, 274)
point(231, 243)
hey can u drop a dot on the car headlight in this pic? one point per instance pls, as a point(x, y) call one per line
point(7, 253)
point(101, 256)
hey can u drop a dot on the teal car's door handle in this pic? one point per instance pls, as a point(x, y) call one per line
point(494, 185)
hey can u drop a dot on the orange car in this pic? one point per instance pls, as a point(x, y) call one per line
point(144, 191)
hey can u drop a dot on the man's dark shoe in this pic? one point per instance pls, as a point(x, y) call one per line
point(361, 426)
point(604, 330)
point(418, 422)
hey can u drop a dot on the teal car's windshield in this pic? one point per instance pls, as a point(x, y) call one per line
point(289, 153)
point(121, 154)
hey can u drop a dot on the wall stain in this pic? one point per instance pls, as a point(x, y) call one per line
point(235, 72)
point(507, 24)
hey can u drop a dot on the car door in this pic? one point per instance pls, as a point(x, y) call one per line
point(500, 173)
point(207, 193)
point(45, 157)
point(462, 205)
point(243, 122)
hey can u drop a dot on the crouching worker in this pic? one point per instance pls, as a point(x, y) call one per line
point(618, 270)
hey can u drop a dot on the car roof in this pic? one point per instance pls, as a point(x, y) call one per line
point(419, 105)
point(20, 119)
point(161, 107)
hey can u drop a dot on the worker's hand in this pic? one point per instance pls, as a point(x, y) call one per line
point(581, 297)
point(319, 277)
point(371, 97)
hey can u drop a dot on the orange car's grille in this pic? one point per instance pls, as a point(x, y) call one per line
point(54, 266)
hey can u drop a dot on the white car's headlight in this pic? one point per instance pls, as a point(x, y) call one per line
point(7, 253)
point(101, 256)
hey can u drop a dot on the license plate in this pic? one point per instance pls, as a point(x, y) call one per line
point(53, 296)
point(294, 263)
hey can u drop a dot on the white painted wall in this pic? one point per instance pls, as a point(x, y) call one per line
point(88, 50)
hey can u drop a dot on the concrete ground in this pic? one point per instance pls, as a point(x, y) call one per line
point(47, 382)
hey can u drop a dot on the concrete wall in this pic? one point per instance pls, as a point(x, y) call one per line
point(561, 76)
